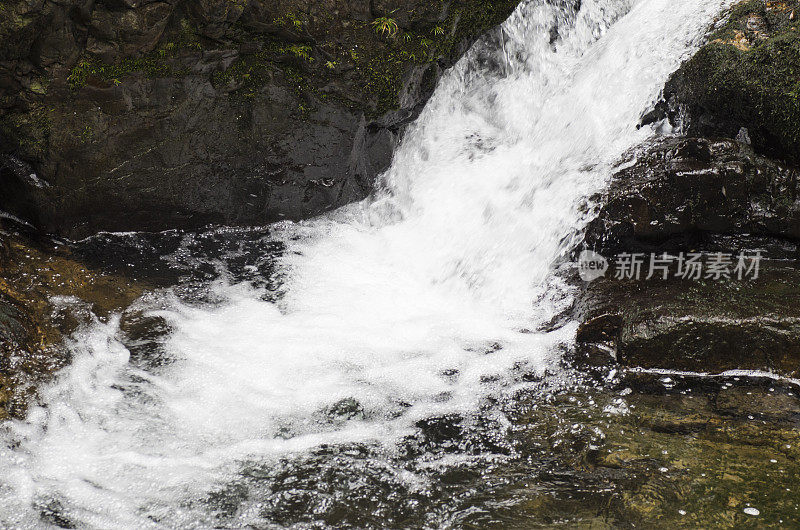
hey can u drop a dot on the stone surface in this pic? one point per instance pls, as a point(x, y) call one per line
point(44, 295)
point(698, 325)
point(152, 115)
point(678, 192)
point(743, 82)
point(696, 195)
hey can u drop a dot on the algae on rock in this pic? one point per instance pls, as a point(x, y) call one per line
point(746, 77)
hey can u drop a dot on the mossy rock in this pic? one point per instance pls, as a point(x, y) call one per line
point(185, 114)
point(315, 46)
point(746, 76)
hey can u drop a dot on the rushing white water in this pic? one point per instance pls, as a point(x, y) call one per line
point(415, 303)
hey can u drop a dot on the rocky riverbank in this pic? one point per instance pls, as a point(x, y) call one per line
point(138, 115)
point(733, 193)
point(128, 114)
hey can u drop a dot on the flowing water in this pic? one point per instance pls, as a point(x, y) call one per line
point(349, 362)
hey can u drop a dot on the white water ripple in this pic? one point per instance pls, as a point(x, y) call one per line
point(415, 303)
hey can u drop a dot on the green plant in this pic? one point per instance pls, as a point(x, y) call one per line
point(86, 135)
point(330, 65)
point(438, 30)
point(385, 26)
point(77, 77)
point(290, 19)
point(301, 51)
point(407, 37)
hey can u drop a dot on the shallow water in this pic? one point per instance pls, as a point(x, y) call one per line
point(363, 368)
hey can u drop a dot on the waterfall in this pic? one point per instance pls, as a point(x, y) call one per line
point(420, 302)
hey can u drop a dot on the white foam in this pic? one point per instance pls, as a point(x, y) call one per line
point(437, 273)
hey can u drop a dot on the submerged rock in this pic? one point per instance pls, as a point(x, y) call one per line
point(40, 285)
point(145, 116)
point(347, 408)
point(663, 450)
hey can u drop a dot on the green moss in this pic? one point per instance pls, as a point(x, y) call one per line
point(759, 85)
point(86, 134)
point(252, 71)
point(466, 21)
point(29, 130)
point(753, 76)
point(290, 20)
point(378, 62)
point(384, 69)
point(87, 69)
point(301, 51)
point(155, 64)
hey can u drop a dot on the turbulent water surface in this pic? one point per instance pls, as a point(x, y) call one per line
point(345, 369)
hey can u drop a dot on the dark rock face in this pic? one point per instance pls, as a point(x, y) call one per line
point(699, 325)
point(710, 195)
point(136, 115)
point(681, 191)
point(744, 81)
point(703, 196)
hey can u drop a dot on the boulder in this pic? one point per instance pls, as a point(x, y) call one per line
point(743, 83)
point(678, 193)
point(718, 200)
point(139, 115)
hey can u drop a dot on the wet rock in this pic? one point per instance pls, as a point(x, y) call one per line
point(177, 114)
point(347, 408)
point(771, 402)
point(745, 77)
point(40, 283)
point(718, 200)
point(678, 192)
point(697, 325)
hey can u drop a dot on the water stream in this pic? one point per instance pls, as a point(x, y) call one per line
point(327, 354)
